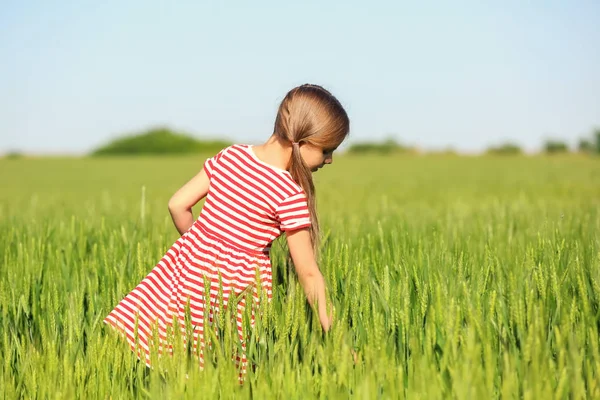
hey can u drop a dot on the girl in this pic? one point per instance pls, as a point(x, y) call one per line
point(253, 194)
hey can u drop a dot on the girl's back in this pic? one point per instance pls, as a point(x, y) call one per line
point(249, 202)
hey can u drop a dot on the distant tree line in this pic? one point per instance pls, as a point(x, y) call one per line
point(505, 148)
point(550, 146)
point(388, 146)
point(162, 140)
point(165, 141)
point(158, 141)
point(555, 146)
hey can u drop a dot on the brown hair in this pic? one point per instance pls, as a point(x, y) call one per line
point(310, 114)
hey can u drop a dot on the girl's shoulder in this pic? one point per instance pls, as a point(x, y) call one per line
point(243, 155)
point(230, 150)
point(237, 148)
point(234, 147)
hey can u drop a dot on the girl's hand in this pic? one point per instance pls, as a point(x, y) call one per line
point(326, 322)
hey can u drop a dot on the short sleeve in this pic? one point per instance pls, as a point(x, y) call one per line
point(211, 163)
point(293, 212)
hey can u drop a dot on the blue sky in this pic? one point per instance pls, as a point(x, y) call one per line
point(74, 75)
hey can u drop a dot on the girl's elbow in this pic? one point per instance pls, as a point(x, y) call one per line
point(173, 205)
point(177, 208)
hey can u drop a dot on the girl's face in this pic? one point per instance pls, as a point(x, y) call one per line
point(316, 157)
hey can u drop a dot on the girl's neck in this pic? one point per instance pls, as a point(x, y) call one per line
point(275, 152)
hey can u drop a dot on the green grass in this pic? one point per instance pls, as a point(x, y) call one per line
point(452, 277)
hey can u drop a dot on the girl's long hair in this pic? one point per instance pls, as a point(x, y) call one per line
point(310, 114)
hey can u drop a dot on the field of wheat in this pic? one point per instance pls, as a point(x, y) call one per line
point(451, 277)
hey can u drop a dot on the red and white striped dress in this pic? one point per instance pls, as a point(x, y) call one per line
point(248, 205)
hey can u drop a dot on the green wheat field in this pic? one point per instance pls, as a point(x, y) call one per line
point(451, 277)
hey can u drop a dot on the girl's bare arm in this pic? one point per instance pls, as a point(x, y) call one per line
point(181, 203)
point(309, 275)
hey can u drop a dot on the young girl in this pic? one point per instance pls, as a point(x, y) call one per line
point(253, 194)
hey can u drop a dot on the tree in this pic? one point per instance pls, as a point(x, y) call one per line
point(555, 146)
point(590, 145)
point(159, 141)
point(585, 146)
point(388, 146)
point(508, 148)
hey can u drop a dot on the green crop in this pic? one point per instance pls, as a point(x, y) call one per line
point(451, 277)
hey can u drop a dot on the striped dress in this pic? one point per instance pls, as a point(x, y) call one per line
point(249, 204)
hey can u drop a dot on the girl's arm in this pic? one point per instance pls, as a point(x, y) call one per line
point(180, 205)
point(309, 275)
